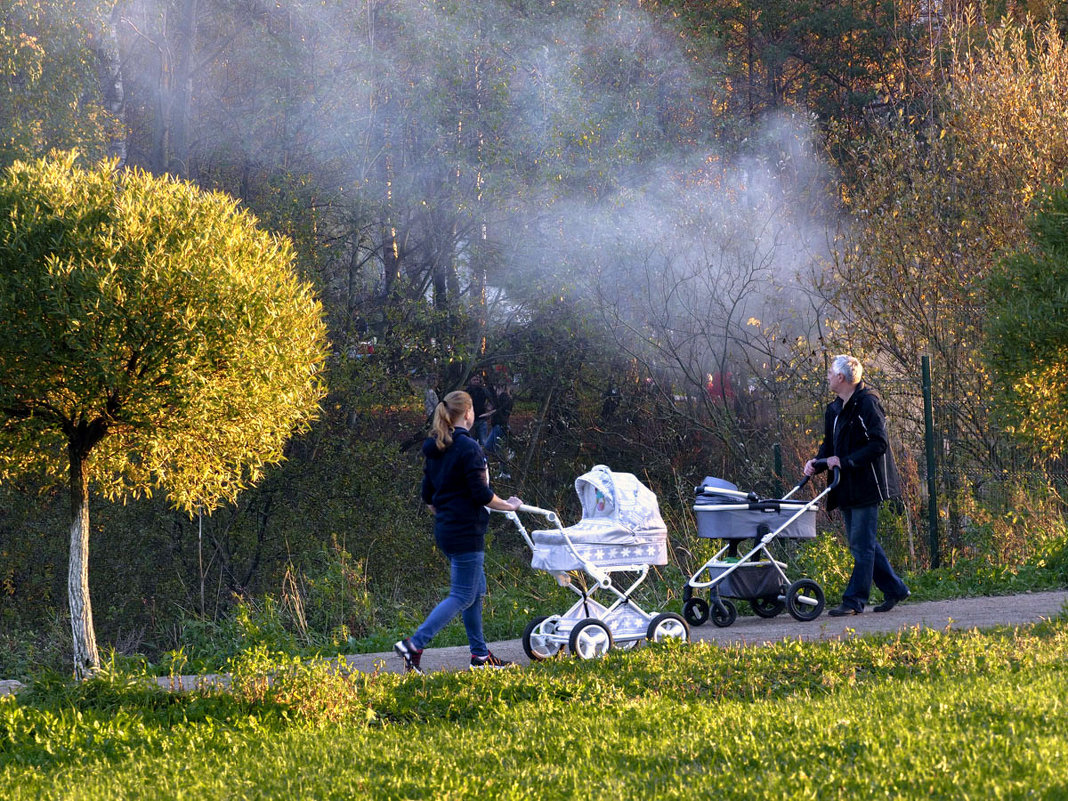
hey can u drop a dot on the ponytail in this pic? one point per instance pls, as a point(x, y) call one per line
point(447, 414)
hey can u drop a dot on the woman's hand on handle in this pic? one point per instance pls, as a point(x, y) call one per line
point(502, 505)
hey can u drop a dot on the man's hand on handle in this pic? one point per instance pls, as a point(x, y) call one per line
point(830, 462)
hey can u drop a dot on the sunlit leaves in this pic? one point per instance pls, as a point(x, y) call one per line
point(48, 79)
point(940, 198)
point(1027, 329)
point(158, 312)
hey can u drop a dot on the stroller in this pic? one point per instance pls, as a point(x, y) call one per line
point(621, 531)
point(726, 513)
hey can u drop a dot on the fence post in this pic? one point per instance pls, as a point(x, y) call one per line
point(929, 442)
point(778, 470)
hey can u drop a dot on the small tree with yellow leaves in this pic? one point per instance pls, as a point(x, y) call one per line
point(151, 337)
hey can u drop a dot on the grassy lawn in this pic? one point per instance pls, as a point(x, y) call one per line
point(919, 714)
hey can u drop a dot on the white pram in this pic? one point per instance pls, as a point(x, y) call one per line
point(621, 531)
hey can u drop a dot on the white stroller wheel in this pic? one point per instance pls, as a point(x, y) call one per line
point(590, 639)
point(538, 640)
point(668, 626)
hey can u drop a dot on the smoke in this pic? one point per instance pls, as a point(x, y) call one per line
point(581, 146)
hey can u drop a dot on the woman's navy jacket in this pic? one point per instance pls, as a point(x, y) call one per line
point(456, 484)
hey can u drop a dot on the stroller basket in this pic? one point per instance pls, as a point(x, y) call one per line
point(748, 580)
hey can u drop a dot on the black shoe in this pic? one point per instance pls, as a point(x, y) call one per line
point(843, 611)
point(410, 655)
point(489, 661)
point(890, 603)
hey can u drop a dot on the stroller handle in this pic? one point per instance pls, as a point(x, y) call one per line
point(527, 508)
point(836, 474)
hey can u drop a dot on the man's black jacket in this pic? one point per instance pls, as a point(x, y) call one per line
point(855, 432)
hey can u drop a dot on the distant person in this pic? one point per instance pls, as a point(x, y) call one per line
point(456, 488)
point(610, 402)
point(502, 414)
point(483, 403)
point(430, 398)
point(855, 442)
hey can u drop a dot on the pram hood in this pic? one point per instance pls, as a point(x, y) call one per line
point(620, 498)
point(621, 524)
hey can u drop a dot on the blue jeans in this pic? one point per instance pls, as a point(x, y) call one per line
point(481, 432)
point(468, 585)
point(495, 435)
point(869, 560)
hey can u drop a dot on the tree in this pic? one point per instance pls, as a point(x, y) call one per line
point(151, 336)
point(1027, 329)
point(61, 88)
point(940, 197)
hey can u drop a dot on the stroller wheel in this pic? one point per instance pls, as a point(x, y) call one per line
point(804, 600)
point(668, 626)
point(590, 639)
point(695, 610)
point(537, 640)
point(723, 613)
point(768, 606)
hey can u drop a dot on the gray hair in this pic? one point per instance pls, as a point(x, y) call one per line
point(849, 367)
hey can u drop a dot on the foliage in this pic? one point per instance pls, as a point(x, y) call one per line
point(940, 195)
point(1027, 329)
point(158, 317)
point(48, 75)
point(152, 337)
point(649, 723)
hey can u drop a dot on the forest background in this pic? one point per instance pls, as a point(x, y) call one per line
point(652, 220)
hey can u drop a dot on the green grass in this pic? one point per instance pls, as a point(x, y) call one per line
point(920, 714)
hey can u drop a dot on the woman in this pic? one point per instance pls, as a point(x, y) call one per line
point(457, 490)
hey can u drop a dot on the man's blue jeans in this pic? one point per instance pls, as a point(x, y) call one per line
point(869, 560)
point(467, 586)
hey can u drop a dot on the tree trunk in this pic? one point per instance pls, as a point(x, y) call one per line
point(178, 157)
point(109, 69)
point(86, 657)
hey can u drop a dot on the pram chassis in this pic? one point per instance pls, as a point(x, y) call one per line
point(757, 576)
point(589, 629)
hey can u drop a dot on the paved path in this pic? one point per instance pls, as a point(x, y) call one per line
point(960, 613)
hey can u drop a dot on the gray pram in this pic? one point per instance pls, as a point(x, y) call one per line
point(726, 513)
point(621, 531)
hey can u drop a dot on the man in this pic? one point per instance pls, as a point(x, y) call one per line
point(501, 416)
point(855, 442)
point(483, 399)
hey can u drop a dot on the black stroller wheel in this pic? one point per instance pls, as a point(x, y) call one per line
point(804, 600)
point(768, 606)
point(723, 613)
point(695, 610)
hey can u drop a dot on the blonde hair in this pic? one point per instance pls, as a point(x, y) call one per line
point(447, 414)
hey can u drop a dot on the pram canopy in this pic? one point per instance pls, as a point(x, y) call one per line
point(621, 525)
point(733, 516)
